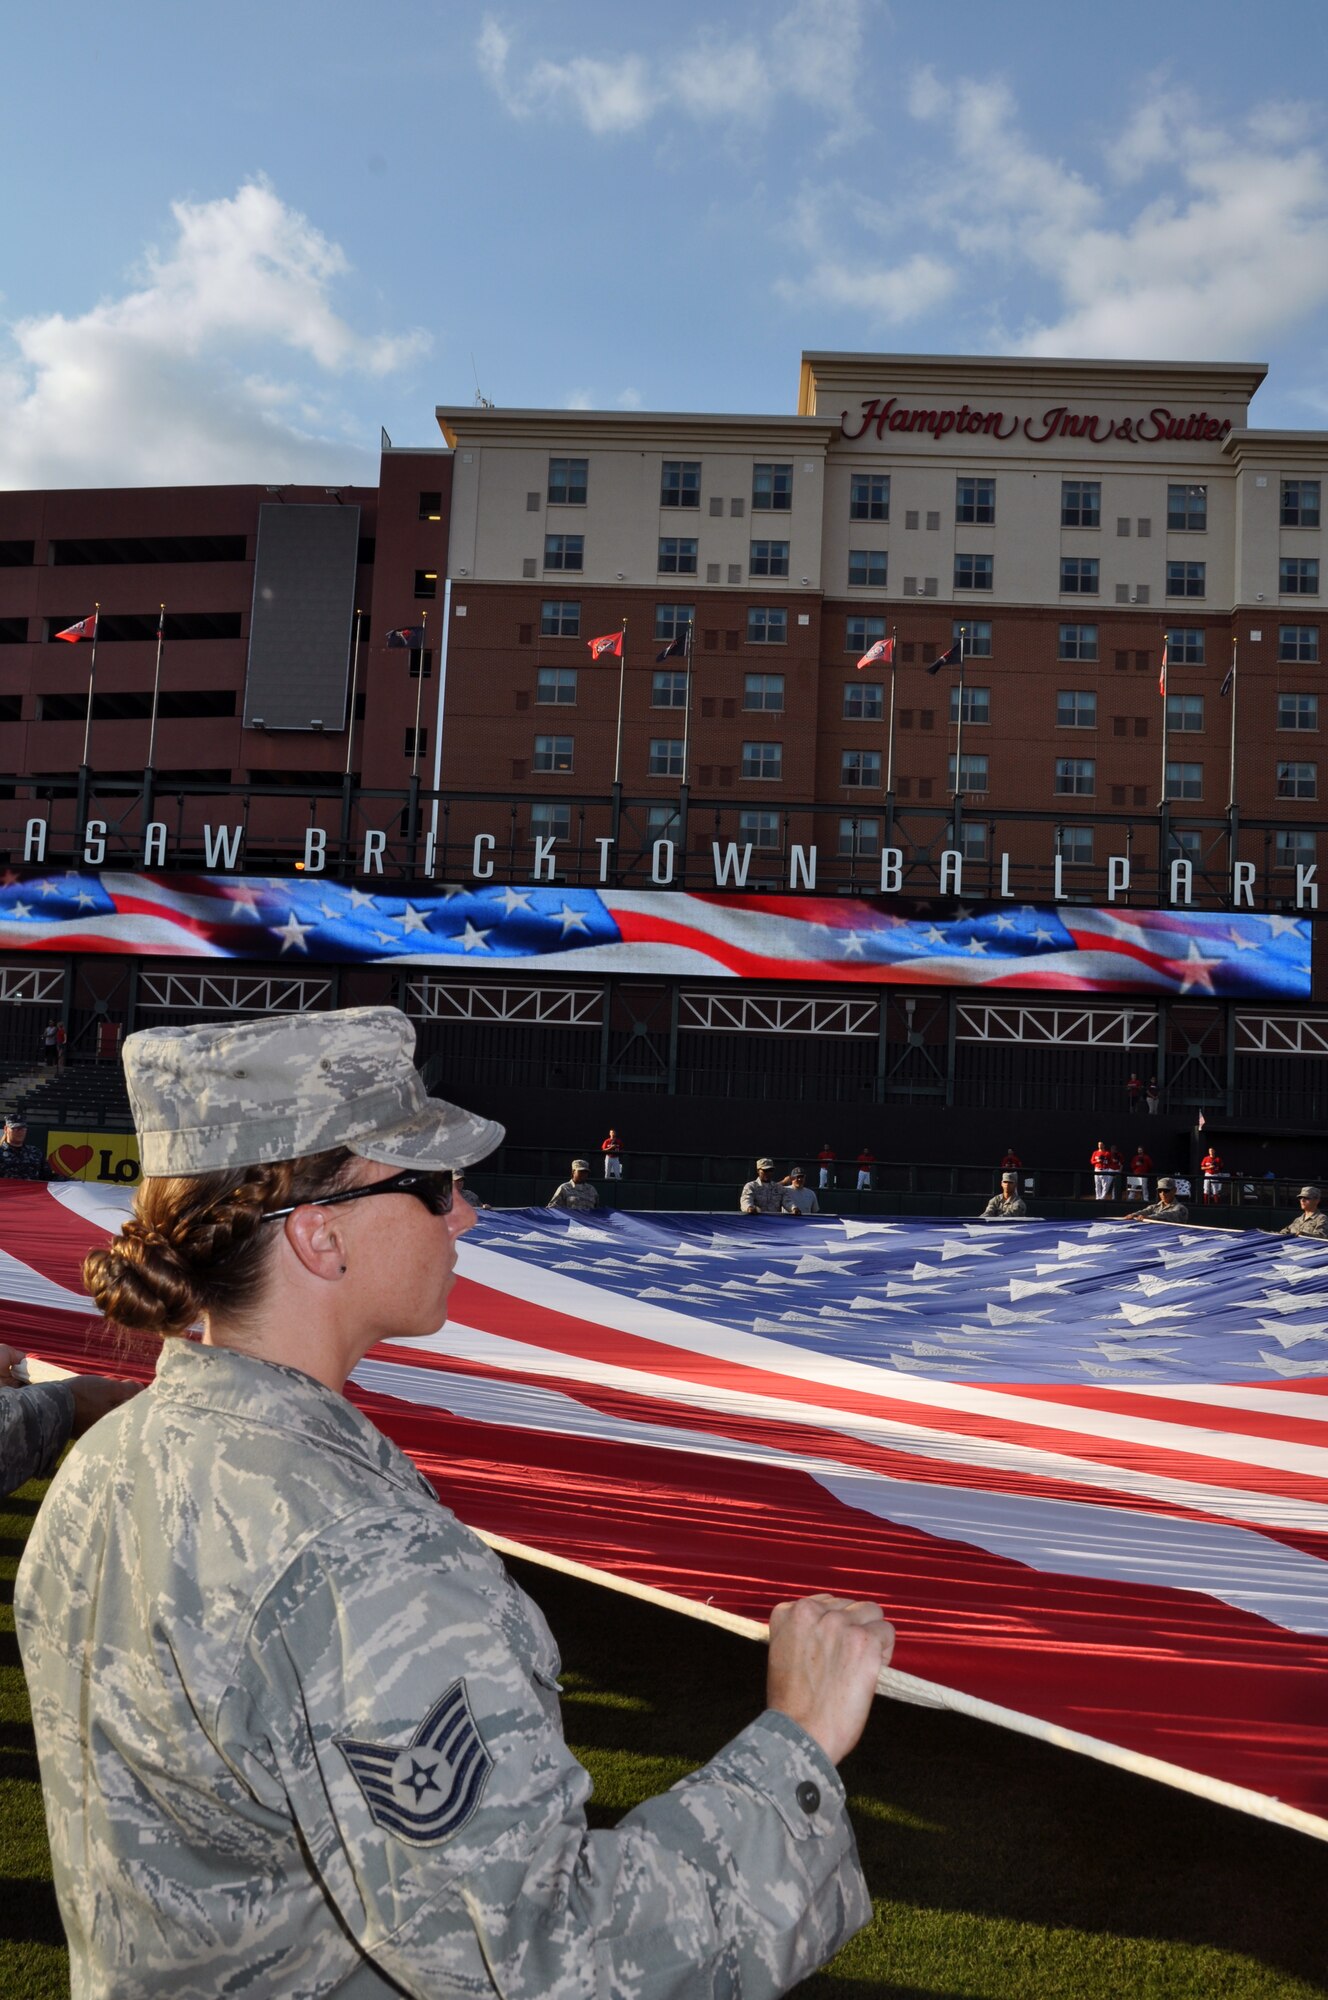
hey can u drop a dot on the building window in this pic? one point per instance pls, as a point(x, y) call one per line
point(867, 566)
point(1187, 510)
point(869, 496)
point(977, 637)
point(1185, 714)
point(1184, 781)
point(973, 572)
point(1079, 575)
point(567, 482)
point(860, 633)
point(1295, 847)
point(768, 559)
point(864, 701)
point(668, 690)
point(1074, 844)
point(972, 841)
point(673, 621)
point(1299, 643)
point(1297, 781)
point(560, 618)
point(1078, 642)
point(763, 691)
point(550, 821)
point(772, 489)
point(677, 555)
point(1076, 708)
point(421, 662)
point(972, 775)
point(977, 704)
point(431, 506)
point(859, 837)
point(1298, 576)
point(975, 500)
point(860, 767)
point(1298, 711)
point(552, 753)
point(1300, 503)
point(761, 828)
point(1076, 776)
point(767, 625)
point(665, 759)
point(564, 551)
point(1081, 503)
point(556, 685)
point(1185, 579)
point(426, 583)
point(1186, 845)
point(417, 743)
point(663, 822)
point(680, 482)
point(1185, 646)
point(763, 760)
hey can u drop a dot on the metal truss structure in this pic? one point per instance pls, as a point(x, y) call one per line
point(231, 992)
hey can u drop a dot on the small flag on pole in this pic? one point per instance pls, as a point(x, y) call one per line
point(675, 650)
point(406, 636)
point(1202, 1121)
point(1162, 677)
point(1230, 675)
point(610, 644)
point(884, 651)
point(86, 628)
point(949, 659)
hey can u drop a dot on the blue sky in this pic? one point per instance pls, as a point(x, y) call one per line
point(237, 240)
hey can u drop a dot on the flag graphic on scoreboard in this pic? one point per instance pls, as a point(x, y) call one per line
point(1082, 1465)
point(858, 940)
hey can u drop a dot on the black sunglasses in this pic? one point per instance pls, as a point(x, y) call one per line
point(431, 1185)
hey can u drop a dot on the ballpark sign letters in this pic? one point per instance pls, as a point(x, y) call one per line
point(1158, 426)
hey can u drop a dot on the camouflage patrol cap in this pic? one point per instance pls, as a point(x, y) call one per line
point(1306, 1192)
point(769, 1165)
point(1165, 1181)
point(243, 1093)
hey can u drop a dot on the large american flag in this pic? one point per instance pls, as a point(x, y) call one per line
point(1083, 1466)
point(726, 934)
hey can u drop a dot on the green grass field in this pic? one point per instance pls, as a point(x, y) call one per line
point(1002, 1869)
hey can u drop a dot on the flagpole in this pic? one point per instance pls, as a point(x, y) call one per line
point(350, 738)
point(683, 792)
point(1231, 771)
point(890, 735)
point(956, 806)
point(92, 680)
point(1162, 685)
point(156, 687)
point(622, 682)
point(413, 819)
point(85, 768)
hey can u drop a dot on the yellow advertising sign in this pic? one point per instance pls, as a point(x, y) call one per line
point(111, 1157)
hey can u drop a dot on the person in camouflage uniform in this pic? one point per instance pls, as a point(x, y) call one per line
point(1006, 1205)
point(299, 1731)
point(579, 1193)
point(38, 1419)
point(764, 1195)
point(1311, 1221)
point(1165, 1209)
point(20, 1160)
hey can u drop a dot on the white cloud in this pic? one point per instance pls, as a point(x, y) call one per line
point(579, 399)
point(888, 295)
point(811, 52)
point(173, 381)
point(628, 399)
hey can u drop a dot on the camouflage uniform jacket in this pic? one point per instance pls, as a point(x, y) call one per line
point(1313, 1224)
point(1001, 1206)
point(34, 1429)
point(574, 1194)
point(1162, 1211)
point(761, 1198)
point(299, 1734)
point(23, 1163)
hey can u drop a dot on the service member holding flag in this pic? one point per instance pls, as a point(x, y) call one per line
point(299, 1730)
